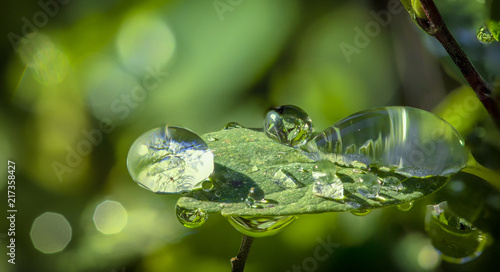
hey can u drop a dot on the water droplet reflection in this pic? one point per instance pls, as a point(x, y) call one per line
point(288, 125)
point(454, 237)
point(405, 206)
point(191, 218)
point(50, 232)
point(260, 226)
point(326, 183)
point(110, 217)
point(170, 160)
point(484, 35)
point(361, 212)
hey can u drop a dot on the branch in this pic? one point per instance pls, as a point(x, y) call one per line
point(238, 262)
point(435, 26)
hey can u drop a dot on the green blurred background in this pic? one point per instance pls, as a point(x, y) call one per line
point(81, 80)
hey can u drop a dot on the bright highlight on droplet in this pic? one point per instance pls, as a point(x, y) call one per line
point(50, 232)
point(110, 217)
point(170, 160)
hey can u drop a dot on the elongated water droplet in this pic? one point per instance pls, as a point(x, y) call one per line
point(260, 226)
point(454, 237)
point(361, 212)
point(326, 183)
point(232, 125)
point(405, 206)
point(191, 218)
point(369, 185)
point(484, 35)
point(409, 141)
point(286, 180)
point(169, 160)
point(288, 125)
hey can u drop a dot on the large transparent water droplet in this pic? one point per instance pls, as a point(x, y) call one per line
point(288, 125)
point(393, 184)
point(326, 183)
point(454, 237)
point(191, 218)
point(369, 185)
point(260, 226)
point(406, 140)
point(169, 160)
point(484, 35)
point(286, 180)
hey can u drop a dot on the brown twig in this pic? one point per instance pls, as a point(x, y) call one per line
point(238, 262)
point(435, 26)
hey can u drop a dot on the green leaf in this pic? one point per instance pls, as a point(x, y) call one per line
point(246, 158)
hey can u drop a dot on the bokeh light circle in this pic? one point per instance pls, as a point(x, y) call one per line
point(50, 232)
point(110, 217)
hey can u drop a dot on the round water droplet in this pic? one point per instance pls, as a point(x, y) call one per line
point(393, 184)
point(410, 141)
point(361, 212)
point(288, 125)
point(260, 226)
point(286, 180)
point(191, 218)
point(207, 185)
point(405, 206)
point(169, 160)
point(369, 185)
point(484, 35)
point(211, 139)
point(454, 237)
point(232, 125)
point(326, 183)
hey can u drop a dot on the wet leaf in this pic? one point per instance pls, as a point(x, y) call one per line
point(247, 160)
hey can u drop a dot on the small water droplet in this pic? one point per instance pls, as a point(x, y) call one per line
point(369, 185)
point(405, 206)
point(169, 160)
point(326, 182)
point(232, 125)
point(260, 226)
point(361, 212)
point(393, 184)
point(286, 180)
point(454, 237)
point(253, 168)
point(288, 125)
point(207, 185)
point(217, 193)
point(484, 35)
point(191, 218)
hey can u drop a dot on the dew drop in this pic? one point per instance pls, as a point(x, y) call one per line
point(232, 125)
point(392, 183)
point(286, 180)
point(410, 141)
point(212, 139)
point(191, 218)
point(454, 237)
point(207, 185)
point(405, 206)
point(369, 185)
point(361, 212)
point(326, 182)
point(218, 193)
point(169, 160)
point(260, 226)
point(484, 35)
point(288, 125)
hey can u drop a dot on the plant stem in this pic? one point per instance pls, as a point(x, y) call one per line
point(238, 262)
point(435, 26)
point(476, 169)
